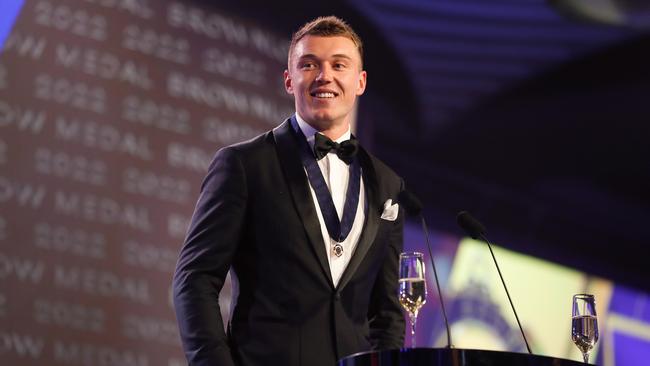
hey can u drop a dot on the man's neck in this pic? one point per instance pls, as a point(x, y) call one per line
point(333, 130)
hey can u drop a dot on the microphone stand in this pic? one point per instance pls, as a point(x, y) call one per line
point(435, 275)
point(507, 293)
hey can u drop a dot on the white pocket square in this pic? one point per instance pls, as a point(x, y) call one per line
point(391, 210)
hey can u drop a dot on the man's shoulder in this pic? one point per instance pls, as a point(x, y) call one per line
point(256, 143)
point(262, 141)
point(260, 144)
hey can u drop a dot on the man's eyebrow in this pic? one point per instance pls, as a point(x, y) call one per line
point(312, 56)
point(308, 55)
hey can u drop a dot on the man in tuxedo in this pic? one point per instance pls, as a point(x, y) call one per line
point(306, 220)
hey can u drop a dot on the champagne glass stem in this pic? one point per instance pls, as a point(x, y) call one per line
point(586, 357)
point(413, 320)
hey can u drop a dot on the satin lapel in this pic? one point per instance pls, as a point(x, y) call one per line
point(372, 218)
point(299, 186)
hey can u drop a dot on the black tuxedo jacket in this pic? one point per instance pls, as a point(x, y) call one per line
point(255, 214)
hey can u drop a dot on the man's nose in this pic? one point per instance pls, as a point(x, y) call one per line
point(325, 74)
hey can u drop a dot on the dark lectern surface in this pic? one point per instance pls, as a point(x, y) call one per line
point(451, 357)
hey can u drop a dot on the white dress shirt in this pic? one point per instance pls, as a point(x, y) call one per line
point(336, 174)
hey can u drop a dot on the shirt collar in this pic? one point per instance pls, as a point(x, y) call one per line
point(309, 132)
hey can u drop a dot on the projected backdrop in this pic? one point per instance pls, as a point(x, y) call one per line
point(109, 114)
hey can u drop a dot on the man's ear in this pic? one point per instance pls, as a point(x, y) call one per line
point(362, 82)
point(287, 82)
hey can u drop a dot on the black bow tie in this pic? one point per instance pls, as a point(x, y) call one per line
point(346, 150)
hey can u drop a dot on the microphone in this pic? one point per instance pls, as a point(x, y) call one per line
point(472, 227)
point(477, 231)
point(413, 207)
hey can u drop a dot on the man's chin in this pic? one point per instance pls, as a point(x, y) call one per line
point(323, 118)
point(320, 118)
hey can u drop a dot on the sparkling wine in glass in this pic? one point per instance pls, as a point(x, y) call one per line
point(584, 324)
point(412, 286)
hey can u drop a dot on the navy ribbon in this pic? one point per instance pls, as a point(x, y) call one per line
point(338, 230)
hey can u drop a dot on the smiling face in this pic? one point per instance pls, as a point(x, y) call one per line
point(325, 78)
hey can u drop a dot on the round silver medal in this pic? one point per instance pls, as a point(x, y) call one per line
point(337, 249)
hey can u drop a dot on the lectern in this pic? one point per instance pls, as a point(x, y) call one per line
point(451, 357)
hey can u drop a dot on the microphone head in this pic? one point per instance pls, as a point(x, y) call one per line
point(471, 226)
point(410, 202)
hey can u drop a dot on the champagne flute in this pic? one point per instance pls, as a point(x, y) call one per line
point(584, 324)
point(412, 286)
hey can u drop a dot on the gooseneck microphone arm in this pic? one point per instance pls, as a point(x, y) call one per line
point(435, 275)
point(476, 230)
point(507, 293)
point(413, 207)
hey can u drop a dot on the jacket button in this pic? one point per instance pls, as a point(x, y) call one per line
point(337, 296)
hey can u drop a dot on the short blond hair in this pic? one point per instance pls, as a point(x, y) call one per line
point(330, 26)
